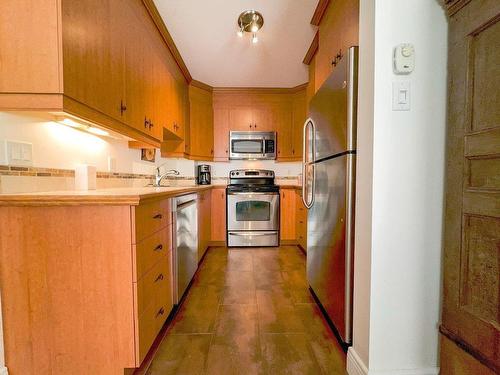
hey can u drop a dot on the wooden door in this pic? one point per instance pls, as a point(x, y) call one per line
point(287, 214)
point(240, 118)
point(299, 118)
point(282, 119)
point(135, 74)
point(221, 133)
point(93, 61)
point(301, 221)
point(262, 119)
point(204, 222)
point(470, 318)
point(218, 214)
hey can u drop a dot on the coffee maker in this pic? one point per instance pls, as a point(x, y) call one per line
point(203, 175)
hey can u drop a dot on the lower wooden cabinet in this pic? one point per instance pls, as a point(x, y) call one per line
point(301, 221)
point(287, 213)
point(218, 214)
point(204, 221)
point(85, 288)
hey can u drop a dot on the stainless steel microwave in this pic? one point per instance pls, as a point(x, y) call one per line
point(252, 145)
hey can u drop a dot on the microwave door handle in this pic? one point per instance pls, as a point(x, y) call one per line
point(263, 146)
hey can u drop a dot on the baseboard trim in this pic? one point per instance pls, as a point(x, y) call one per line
point(3, 371)
point(355, 366)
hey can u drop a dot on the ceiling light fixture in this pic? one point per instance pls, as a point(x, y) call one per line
point(250, 21)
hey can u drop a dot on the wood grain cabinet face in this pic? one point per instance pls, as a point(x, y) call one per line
point(204, 221)
point(218, 205)
point(221, 133)
point(102, 61)
point(287, 214)
point(201, 124)
point(301, 221)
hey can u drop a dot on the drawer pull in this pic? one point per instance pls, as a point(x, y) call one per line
point(160, 312)
point(159, 247)
point(160, 277)
point(158, 216)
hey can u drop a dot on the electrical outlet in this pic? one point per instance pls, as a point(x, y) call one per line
point(19, 153)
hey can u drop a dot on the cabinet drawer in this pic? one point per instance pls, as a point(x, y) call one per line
point(155, 287)
point(150, 250)
point(151, 217)
point(149, 325)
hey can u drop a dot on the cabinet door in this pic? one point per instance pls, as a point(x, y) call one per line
point(218, 214)
point(221, 134)
point(136, 76)
point(299, 118)
point(93, 61)
point(204, 222)
point(262, 119)
point(287, 217)
point(301, 221)
point(241, 118)
point(200, 124)
point(282, 118)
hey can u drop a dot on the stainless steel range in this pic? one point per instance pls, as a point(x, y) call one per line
point(253, 206)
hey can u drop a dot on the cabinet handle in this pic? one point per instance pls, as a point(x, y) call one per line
point(160, 312)
point(211, 151)
point(159, 247)
point(159, 278)
point(151, 124)
point(146, 122)
point(226, 151)
point(158, 216)
point(123, 107)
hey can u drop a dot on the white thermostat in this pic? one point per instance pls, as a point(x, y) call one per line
point(404, 58)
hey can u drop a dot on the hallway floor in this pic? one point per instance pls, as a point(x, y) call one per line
point(249, 311)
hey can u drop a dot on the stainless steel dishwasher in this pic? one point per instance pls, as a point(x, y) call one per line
point(185, 241)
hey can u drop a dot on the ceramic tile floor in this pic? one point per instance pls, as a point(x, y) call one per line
point(249, 311)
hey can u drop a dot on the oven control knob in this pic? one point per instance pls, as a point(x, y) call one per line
point(237, 173)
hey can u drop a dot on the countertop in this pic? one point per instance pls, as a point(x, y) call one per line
point(115, 196)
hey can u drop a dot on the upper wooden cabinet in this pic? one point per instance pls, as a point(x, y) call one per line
point(104, 61)
point(276, 110)
point(201, 124)
point(338, 30)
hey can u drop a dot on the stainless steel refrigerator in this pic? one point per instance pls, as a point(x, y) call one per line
point(329, 163)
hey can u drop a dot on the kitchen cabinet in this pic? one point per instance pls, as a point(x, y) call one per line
point(301, 221)
point(100, 61)
point(201, 124)
point(218, 225)
point(221, 133)
point(338, 30)
point(299, 118)
point(204, 221)
point(280, 110)
point(282, 118)
point(91, 302)
point(287, 213)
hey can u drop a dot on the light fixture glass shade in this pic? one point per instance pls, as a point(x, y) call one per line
point(97, 131)
point(254, 38)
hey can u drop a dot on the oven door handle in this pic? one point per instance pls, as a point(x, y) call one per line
point(251, 234)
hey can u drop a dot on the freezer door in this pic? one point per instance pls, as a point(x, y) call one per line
point(333, 109)
point(330, 240)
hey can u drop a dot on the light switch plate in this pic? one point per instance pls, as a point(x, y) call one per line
point(19, 153)
point(401, 96)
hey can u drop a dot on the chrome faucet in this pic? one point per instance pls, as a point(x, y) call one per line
point(159, 177)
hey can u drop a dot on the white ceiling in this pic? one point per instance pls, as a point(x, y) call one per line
point(205, 34)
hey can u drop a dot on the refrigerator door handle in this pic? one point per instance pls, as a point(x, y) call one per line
point(305, 163)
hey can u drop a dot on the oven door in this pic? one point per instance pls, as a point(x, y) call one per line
point(252, 211)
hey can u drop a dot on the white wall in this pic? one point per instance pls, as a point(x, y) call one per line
point(399, 212)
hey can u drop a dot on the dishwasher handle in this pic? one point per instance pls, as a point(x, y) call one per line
point(185, 204)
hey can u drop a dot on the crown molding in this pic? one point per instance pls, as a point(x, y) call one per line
point(319, 12)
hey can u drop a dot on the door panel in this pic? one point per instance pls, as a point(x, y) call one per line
point(240, 118)
point(221, 134)
point(472, 221)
